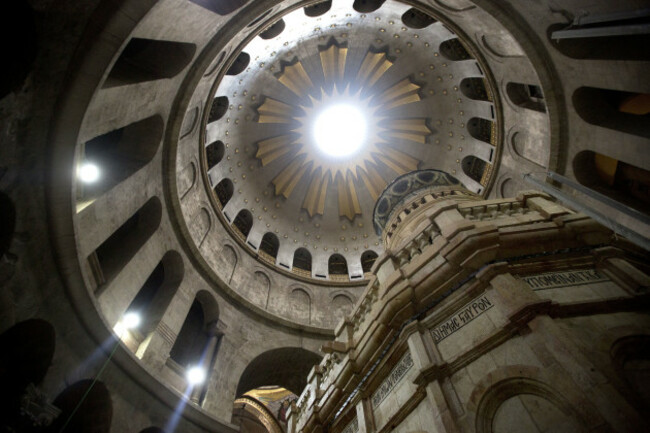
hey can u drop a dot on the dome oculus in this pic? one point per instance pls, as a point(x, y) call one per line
point(340, 130)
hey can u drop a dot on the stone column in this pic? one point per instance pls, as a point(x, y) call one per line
point(365, 419)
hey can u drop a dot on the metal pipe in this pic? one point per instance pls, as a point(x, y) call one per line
point(645, 219)
point(617, 228)
point(584, 20)
point(595, 32)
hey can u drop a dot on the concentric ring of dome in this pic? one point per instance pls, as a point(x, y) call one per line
point(431, 106)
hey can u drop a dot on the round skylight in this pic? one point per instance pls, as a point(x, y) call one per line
point(340, 130)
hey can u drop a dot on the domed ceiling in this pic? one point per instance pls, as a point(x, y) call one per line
point(292, 186)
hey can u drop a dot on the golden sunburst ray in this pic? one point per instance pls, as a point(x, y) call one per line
point(300, 156)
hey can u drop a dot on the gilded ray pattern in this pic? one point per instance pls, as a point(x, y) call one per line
point(300, 160)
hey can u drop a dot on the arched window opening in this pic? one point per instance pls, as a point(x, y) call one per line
point(198, 340)
point(417, 19)
point(453, 49)
point(367, 260)
point(214, 153)
point(218, 109)
point(152, 300)
point(482, 129)
point(149, 59)
point(475, 88)
point(91, 404)
point(220, 7)
point(624, 47)
point(274, 30)
point(118, 155)
point(26, 352)
point(269, 247)
point(613, 109)
point(240, 64)
point(267, 406)
point(475, 168)
point(631, 358)
point(224, 191)
point(337, 265)
point(527, 96)
point(318, 9)
point(108, 260)
point(294, 364)
point(367, 6)
point(243, 223)
point(302, 262)
point(192, 338)
point(7, 223)
point(618, 180)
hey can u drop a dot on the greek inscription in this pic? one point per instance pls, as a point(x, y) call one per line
point(563, 279)
point(461, 318)
point(398, 372)
point(352, 427)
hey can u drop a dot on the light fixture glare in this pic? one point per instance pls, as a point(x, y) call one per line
point(195, 375)
point(88, 172)
point(131, 320)
point(340, 130)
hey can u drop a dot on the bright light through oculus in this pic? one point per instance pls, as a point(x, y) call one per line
point(88, 173)
point(195, 375)
point(340, 130)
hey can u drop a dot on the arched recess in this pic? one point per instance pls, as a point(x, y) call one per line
point(528, 96)
point(337, 265)
point(318, 9)
point(475, 168)
point(342, 305)
point(243, 223)
point(367, 6)
point(7, 223)
point(627, 112)
point(416, 19)
point(240, 64)
point(299, 307)
point(482, 129)
point(230, 260)
point(258, 288)
point(530, 405)
point(149, 59)
point(94, 413)
point(119, 154)
point(214, 153)
point(618, 180)
point(274, 30)
point(220, 7)
point(186, 179)
point(153, 299)
point(269, 247)
point(625, 47)
point(26, 352)
point(475, 88)
point(224, 191)
point(302, 262)
point(528, 147)
point(218, 108)
point(631, 359)
point(454, 50)
point(287, 367)
point(190, 347)
point(108, 260)
point(367, 260)
point(200, 224)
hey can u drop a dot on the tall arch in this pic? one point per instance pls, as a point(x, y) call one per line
point(218, 108)
point(302, 262)
point(269, 247)
point(416, 19)
point(214, 153)
point(240, 64)
point(154, 297)
point(287, 367)
point(108, 260)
